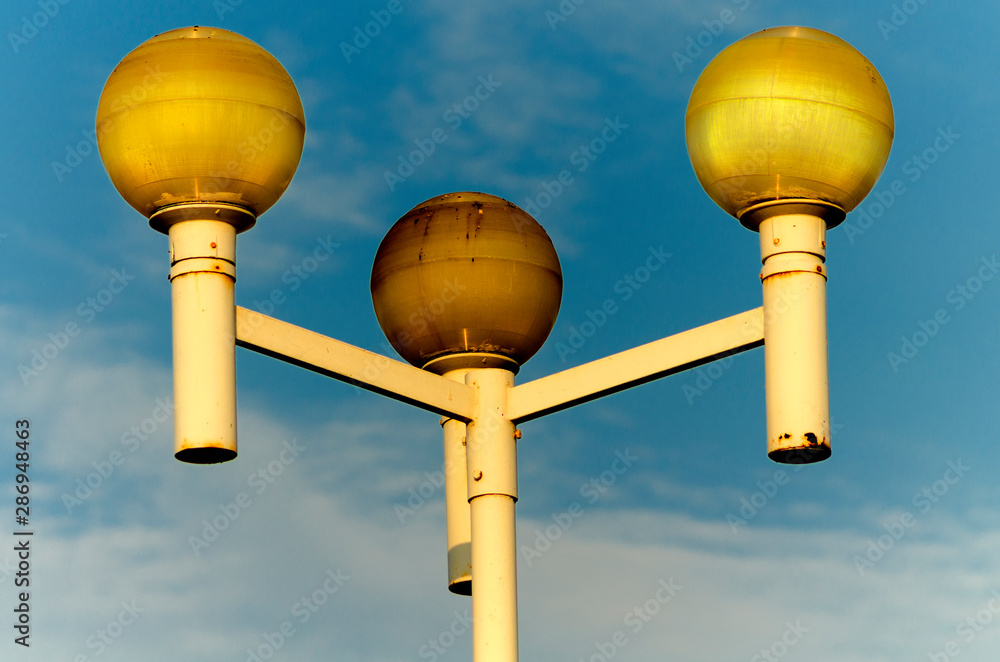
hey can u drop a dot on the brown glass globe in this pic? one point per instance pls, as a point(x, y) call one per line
point(466, 280)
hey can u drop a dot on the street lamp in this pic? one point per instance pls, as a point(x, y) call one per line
point(208, 148)
point(787, 130)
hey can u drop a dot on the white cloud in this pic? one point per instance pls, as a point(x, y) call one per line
point(332, 508)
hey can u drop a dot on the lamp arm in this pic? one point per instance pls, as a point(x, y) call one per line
point(562, 390)
point(347, 363)
point(636, 366)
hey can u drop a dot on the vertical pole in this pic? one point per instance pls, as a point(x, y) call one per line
point(202, 277)
point(793, 251)
point(492, 475)
point(456, 495)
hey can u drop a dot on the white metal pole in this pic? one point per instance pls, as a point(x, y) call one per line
point(793, 251)
point(202, 277)
point(456, 495)
point(492, 475)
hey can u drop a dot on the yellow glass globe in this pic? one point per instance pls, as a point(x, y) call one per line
point(467, 277)
point(200, 115)
point(789, 113)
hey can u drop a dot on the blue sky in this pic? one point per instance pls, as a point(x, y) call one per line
point(884, 552)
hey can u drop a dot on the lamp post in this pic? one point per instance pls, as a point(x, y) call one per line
point(787, 130)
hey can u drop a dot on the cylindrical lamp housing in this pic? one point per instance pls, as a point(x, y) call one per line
point(793, 252)
point(202, 279)
point(456, 496)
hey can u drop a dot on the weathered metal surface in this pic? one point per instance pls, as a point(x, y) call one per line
point(466, 273)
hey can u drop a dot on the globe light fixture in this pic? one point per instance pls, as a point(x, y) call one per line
point(788, 113)
point(461, 282)
point(466, 280)
point(220, 122)
point(210, 145)
point(787, 130)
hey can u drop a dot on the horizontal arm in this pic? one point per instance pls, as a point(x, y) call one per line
point(367, 370)
point(670, 355)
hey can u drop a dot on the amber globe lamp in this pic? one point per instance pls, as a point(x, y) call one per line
point(200, 115)
point(466, 280)
point(788, 130)
point(789, 113)
point(201, 130)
